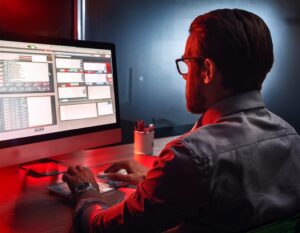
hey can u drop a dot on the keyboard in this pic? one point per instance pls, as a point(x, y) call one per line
point(112, 183)
point(104, 183)
point(62, 189)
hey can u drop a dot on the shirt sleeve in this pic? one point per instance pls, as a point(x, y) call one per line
point(169, 194)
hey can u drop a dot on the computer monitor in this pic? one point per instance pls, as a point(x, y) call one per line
point(56, 96)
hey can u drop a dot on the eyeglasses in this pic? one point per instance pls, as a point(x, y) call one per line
point(182, 66)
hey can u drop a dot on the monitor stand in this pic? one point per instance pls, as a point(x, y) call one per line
point(43, 167)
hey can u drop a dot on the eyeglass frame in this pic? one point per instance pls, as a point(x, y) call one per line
point(197, 59)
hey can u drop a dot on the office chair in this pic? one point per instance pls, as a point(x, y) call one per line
point(286, 225)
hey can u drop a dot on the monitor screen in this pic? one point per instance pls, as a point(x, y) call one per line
point(53, 92)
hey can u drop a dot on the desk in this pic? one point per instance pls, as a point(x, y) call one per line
point(25, 203)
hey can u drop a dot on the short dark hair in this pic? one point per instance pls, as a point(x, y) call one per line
point(240, 44)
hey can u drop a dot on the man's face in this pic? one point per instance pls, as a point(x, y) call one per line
point(195, 100)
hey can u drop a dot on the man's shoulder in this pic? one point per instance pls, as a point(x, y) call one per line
point(235, 131)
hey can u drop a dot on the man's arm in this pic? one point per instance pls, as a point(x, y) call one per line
point(167, 196)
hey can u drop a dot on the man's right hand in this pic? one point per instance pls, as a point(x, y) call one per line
point(135, 172)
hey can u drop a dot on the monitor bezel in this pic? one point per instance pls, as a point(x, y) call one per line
point(65, 42)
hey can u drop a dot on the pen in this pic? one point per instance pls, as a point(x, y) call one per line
point(149, 129)
point(142, 126)
point(139, 125)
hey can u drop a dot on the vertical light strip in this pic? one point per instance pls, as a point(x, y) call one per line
point(79, 33)
point(81, 19)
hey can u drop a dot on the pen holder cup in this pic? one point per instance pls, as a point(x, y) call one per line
point(143, 142)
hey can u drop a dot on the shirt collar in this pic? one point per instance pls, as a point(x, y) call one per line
point(230, 105)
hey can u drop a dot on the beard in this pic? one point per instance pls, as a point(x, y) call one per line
point(195, 104)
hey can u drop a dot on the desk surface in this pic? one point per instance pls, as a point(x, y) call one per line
point(25, 203)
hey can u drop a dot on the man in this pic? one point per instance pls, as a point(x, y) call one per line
point(237, 169)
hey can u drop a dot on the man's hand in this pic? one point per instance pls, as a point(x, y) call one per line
point(135, 171)
point(78, 175)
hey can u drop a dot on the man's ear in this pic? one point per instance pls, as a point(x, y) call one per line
point(209, 71)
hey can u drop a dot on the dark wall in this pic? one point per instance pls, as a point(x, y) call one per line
point(37, 17)
point(150, 35)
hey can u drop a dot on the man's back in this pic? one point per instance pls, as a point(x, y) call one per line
point(248, 161)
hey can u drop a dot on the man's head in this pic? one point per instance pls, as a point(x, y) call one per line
point(237, 53)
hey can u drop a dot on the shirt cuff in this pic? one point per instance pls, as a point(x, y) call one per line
point(86, 209)
point(92, 193)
